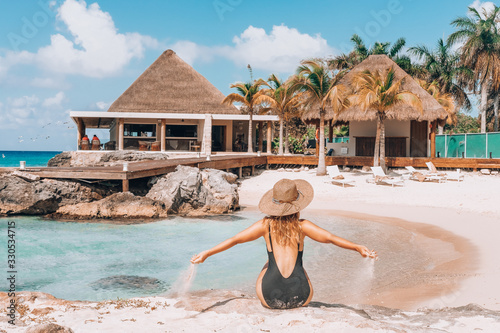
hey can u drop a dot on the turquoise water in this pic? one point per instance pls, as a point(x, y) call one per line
point(11, 158)
point(66, 259)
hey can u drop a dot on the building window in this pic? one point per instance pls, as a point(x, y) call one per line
point(182, 131)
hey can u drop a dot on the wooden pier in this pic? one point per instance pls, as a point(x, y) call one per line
point(143, 169)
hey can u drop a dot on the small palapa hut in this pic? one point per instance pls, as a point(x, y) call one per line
point(408, 132)
point(170, 107)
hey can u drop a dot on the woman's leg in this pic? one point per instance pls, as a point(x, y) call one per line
point(258, 287)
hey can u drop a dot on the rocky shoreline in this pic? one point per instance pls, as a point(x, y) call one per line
point(188, 192)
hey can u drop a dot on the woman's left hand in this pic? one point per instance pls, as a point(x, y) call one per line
point(199, 258)
point(363, 250)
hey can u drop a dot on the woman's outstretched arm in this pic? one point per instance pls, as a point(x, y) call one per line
point(251, 233)
point(323, 236)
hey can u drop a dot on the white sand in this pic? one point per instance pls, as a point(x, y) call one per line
point(467, 209)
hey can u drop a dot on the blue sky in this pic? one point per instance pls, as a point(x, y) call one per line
point(57, 56)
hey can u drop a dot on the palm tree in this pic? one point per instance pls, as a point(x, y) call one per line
point(445, 71)
point(320, 91)
point(250, 96)
point(283, 99)
point(379, 90)
point(445, 99)
point(361, 52)
point(480, 50)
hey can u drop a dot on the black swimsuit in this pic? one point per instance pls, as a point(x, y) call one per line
point(285, 293)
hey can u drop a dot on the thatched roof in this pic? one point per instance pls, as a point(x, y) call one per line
point(170, 85)
point(432, 110)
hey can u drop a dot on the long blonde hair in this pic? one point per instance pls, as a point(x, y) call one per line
point(286, 230)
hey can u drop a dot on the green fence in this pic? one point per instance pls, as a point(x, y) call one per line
point(473, 145)
point(339, 140)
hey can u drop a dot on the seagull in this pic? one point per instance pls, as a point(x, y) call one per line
point(70, 127)
point(20, 137)
point(46, 125)
point(47, 137)
point(21, 140)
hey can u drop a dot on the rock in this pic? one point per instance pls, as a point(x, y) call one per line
point(281, 169)
point(366, 169)
point(21, 197)
point(118, 205)
point(26, 176)
point(346, 169)
point(306, 169)
point(102, 158)
point(485, 171)
point(49, 328)
point(60, 160)
point(189, 191)
point(129, 282)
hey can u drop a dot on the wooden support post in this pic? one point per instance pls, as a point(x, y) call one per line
point(253, 170)
point(121, 125)
point(261, 135)
point(125, 185)
point(163, 131)
point(330, 131)
point(269, 137)
point(433, 139)
point(240, 172)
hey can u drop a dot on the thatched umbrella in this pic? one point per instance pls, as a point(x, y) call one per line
point(432, 110)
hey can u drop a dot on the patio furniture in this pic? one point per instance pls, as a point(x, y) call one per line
point(382, 179)
point(194, 145)
point(155, 146)
point(422, 177)
point(337, 177)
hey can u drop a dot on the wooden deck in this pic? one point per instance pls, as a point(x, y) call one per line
point(145, 169)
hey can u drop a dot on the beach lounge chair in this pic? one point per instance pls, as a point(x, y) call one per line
point(382, 179)
point(422, 177)
point(457, 175)
point(337, 177)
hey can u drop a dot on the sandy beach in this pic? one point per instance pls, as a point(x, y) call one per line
point(455, 224)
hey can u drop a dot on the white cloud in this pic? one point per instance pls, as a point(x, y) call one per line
point(54, 102)
point(482, 6)
point(96, 48)
point(102, 105)
point(48, 82)
point(280, 50)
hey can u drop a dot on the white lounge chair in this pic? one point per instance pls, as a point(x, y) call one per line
point(382, 179)
point(423, 176)
point(337, 177)
point(457, 175)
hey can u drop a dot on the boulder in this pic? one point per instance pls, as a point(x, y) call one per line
point(118, 205)
point(189, 191)
point(49, 328)
point(21, 197)
point(102, 158)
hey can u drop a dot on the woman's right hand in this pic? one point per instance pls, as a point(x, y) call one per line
point(199, 258)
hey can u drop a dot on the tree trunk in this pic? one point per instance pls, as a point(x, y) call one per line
point(321, 159)
point(376, 155)
point(484, 103)
point(382, 145)
point(280, 148)
point(495, 110)
point(250, 132)
point(287, 150)
point(261, 135)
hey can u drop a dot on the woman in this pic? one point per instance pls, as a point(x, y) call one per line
point(283, 283)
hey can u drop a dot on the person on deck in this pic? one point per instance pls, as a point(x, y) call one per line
point(283, 283)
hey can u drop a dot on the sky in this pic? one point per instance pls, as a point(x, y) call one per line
point(58, 56)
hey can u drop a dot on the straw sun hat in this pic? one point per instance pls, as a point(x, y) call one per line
point(287, 197)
